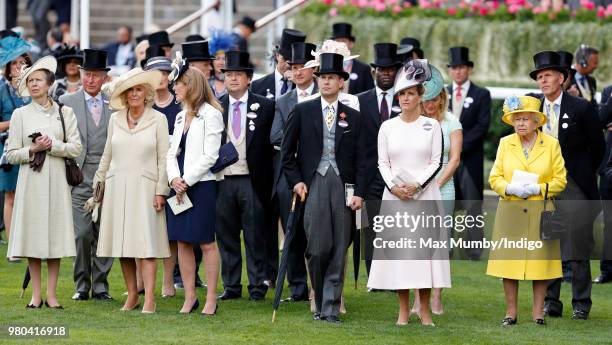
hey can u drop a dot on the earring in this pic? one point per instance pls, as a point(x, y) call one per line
point(145, 102)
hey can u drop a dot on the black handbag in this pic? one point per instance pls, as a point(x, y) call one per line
point(228, 155)
point(553, 226)
point(74, 175)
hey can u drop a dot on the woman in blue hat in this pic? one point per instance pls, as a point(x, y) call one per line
point(13, 57)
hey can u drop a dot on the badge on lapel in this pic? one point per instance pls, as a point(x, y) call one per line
point(342, 123)
point(254, 106)
point(564, 125)
point(396, 109)
point(269, 95)
point(251, 115)
point(251, 125)
point(353, 76)
point(565, 116)
point(467, 102)
point(427, 126)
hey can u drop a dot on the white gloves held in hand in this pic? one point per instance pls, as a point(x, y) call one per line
point(523, 191)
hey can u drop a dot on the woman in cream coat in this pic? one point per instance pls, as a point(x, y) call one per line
point(133, 170)
point(518, 217)
point(42, 217)
point(193, 151)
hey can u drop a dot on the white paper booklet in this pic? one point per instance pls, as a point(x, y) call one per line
point(179, 208)
point(522, 177)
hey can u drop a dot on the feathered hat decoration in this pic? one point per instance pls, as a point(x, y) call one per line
point(414, 72)
point(179, 67)
point(12, 47)
point(220, 41)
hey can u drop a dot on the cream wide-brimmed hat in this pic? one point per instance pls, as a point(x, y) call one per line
point(134, 77)
point(330, 46)
point(48, 62)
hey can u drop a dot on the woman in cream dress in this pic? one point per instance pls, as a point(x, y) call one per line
point(133, 171)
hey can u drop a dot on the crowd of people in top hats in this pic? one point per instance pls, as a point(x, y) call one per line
point(185, 158)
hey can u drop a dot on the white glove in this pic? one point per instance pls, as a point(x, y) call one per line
point(518, 190)
point(533, 189)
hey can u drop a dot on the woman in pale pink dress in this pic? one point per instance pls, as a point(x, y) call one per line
point(410, 144)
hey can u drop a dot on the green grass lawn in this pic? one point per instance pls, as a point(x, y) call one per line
point(473, 310)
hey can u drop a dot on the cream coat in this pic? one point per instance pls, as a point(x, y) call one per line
point(42, 216)
point(133, 167)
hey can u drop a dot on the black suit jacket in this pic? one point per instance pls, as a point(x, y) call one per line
point(605, 107)
point(303, 145)
point(592, 87)
point(112, 55)
point(259, 151)
point(582, 143)
point(368, 103)
point(364, 79)
point(262, 85)
point(475, 121)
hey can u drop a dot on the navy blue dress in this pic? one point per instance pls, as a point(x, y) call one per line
point(197, 224)
point(171, 110)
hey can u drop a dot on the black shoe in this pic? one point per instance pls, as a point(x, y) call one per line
point(56, 307)
point(213, 314)
point(508, 321)
point(256, 297)
point(540, 322)
point(332, 319)
point(179, 285)
point(80, 296)
point(228, 295)
point(104, 296)
point(602, 279)
point(552, 313)
point(316, 316)
point(580, 315)
point(33, 306)
point(195, 306)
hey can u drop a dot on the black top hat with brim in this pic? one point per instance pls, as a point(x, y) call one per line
point(151, 52)
point(342, 30)
point(249, 23)
point(196, 51)
point(194, 38)
point(95, 60)
point(407, 46)
point(65, 53)
point(385, 55)
point(160, 38)
point(301, 52)
point(141, 38)
point(547, 60)
point(458, 56)
point(236, 60)
point(289, 37)
point(566, 60)
point(158, 63)
point(331, 63)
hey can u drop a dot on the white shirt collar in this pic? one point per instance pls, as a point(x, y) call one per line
point(324, 104)
point(98, 97)
point(244, 99)
point(379, 92)
point(277, 76)
point(308, 89)
point(557, 101)
point(464, 87)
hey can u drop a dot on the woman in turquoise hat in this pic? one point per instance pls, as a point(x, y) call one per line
point(13, 57)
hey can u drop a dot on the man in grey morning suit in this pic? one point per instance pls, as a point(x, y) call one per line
point(305, 86)
point(92, 114)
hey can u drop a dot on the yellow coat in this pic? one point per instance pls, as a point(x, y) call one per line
point(517, 218)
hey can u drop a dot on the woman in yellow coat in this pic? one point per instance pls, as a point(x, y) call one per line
point(528, 150)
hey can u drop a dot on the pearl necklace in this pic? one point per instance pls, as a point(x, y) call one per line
point(134, 122)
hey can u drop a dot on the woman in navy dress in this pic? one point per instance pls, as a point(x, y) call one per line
point(194, 149)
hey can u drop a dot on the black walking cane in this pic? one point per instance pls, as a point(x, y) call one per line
point(26, 281)
point(282, 271)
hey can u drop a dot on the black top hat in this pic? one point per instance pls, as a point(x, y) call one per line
point(459, 56)
point(160, 38)
point(95, 60)
point(301, 52)
point(194, 38)
point(151, 52)
point(141, 37)
point(196, 51)
point(385, 55)
point(6, 33)
point(248, 22)
point(289, 37)
point(331, 63)
point(407, 46)
point(547, 60)
point(342, 30)
point(236, 60)
point(566, 60)
point(64, 53)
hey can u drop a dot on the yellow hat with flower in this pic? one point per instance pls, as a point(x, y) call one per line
point(522, 104)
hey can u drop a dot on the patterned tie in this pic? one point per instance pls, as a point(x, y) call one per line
point(552, 120)
point(384, 107)
point(459, 95)
point(304, 94)
point(236, 119)
point(96, 110)
point(329, 118)
point(285, 86)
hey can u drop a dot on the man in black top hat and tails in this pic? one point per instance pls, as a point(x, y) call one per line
point(91, 110)
point(304, 87)
point(244, 201)
point(605, 188)
point(377, 105)
point(360, 75)
point(276, 83)
point(471, 104)
point(197, 55)
point(574, 122)
point(323, 154)
point(160, 38)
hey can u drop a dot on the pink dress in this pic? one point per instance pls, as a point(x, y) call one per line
point(416, 148)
